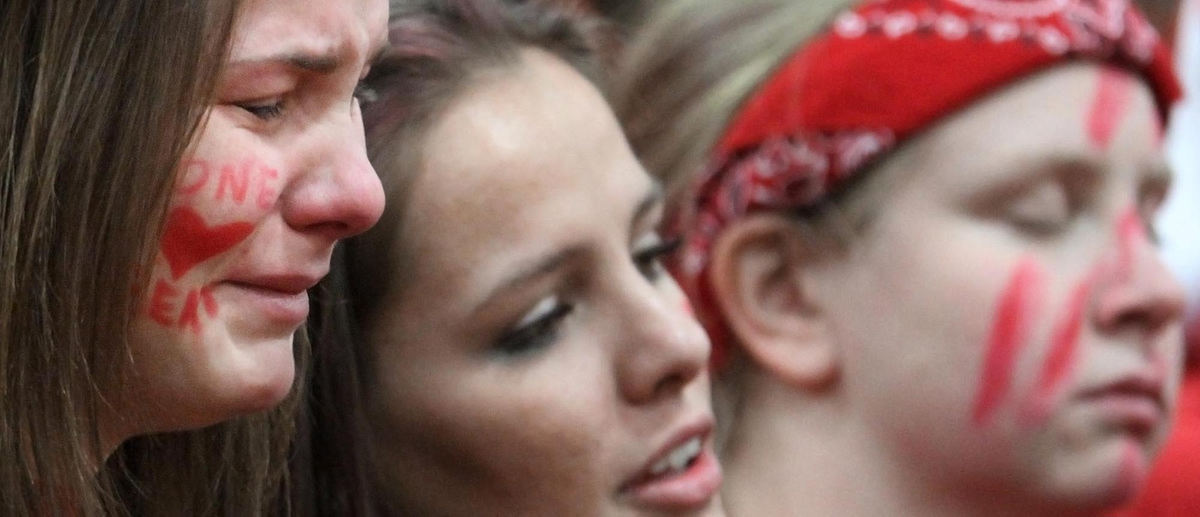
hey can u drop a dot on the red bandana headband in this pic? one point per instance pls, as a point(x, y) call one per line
point(883, 71)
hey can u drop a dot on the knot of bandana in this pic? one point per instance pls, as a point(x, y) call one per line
point(882, 71)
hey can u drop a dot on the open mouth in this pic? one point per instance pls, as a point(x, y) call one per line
point(684, 477)
point(678, 460)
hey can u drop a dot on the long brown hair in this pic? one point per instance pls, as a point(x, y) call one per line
point(99, 100)
point(439, 49)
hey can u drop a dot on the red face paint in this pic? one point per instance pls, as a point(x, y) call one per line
point(195, 175)
point(1160, 133)
point(160, 303)
point(1010, 331)
point(210, 303)
point(189, 318)
point(235, 180)
point(234, 183)
point(1114, 90)
point(164, 311)
point(188, 240)
point(1131, 472)
point(1060, 360)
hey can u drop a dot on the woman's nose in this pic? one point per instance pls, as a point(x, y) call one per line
point(338, 195)
point(1139, 292)
point(665, 348)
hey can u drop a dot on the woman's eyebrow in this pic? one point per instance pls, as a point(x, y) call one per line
point(650, 200)
point(319, 63)
point(534, 269)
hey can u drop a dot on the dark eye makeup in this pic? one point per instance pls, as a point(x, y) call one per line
point(537, 330)
point(649, 259)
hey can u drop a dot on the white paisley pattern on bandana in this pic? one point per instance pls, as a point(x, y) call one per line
point(884, 70)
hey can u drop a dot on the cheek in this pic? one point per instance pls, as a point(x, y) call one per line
point(215, 207)
point(1020, 308)
point(1016, 308)
point(499, 439)
point(228, 184)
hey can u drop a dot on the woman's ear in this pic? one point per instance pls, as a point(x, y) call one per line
point(757, 274)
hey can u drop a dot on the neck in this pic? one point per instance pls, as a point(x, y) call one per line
point(793, 453)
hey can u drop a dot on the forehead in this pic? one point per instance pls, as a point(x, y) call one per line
point(322, 27)
point(1043, 119)
point(528, 158)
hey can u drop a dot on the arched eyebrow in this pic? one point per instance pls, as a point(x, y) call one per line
point(551, 263)
point(650, 201)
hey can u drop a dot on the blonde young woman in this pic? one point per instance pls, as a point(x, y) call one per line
point(917, 234)
point(173, 178)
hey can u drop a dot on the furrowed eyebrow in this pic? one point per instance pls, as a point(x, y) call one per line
point(316, 63)
point(649, 202)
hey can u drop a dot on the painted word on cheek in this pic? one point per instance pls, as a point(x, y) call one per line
point(1113, 93)
point(186, 242)
point(233, 183)
point(1012, 323)
point(165, 310)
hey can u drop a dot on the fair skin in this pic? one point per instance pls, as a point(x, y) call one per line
point(1022, 349)
point(276, 175)
point(534, 358)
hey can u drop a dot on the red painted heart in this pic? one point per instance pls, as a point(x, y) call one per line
point(188, 240)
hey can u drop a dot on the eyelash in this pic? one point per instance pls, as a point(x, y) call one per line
point(264, 112)
point(649, 260)
point(535, 335)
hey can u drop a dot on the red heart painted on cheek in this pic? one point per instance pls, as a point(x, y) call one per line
point(188, 240)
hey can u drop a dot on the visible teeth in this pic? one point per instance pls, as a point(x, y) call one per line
point(678, 459)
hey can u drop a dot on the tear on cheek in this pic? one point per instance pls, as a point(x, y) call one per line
point(1012, 322)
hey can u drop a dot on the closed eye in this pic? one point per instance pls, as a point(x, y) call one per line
point(266, 111)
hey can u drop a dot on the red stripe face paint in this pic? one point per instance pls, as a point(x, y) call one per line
point(1010, 331)
point(1131, 472)
point(687, 307)
point(1114, 90)
point(1060, 360)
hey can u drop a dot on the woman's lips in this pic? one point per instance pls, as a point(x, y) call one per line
point(1134, 402)
point(683, 475)
point(281, 299)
